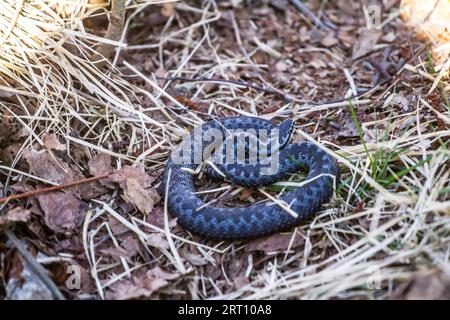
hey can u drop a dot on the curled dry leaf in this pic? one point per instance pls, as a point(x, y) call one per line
point(131, 245)
point(194, 259)
point(156, 240)
point(100, 164)
point(366, 42)
point(48, 167)
point(425, 285)
point(156, 218)
point(143, 286)
point(115, 253)
point(62, 211)
point(276, 242)
point(240, 282)
point(329, 40)
point(137, 188)
point(51, 142)
point(17, 214)
point(43, 165)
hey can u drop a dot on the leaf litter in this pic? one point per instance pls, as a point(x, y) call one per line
point(114, 229)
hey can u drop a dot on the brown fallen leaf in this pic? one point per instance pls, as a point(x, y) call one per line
point(348, 129)
point(156, 240)
point(131, 245)
point(100, 164)
point(115, 253)
point(329, 40)
point(17, 214)
point(51, 142)
point(43, 165)
point(366, 42)
point(426, 285)
point(62, 211)
point(156, 218)
point(137, 188)
point(195, 260)
point(116, 226)
point(276, 242)
point(240, 282)
point(143, 286)
point(47, 166)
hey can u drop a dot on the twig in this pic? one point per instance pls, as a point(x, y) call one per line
point(53, 188)
point(212, 80)
point(304, 9)
point(176, 256)
point(40, 271)
point(115, 27)
point(276, 92)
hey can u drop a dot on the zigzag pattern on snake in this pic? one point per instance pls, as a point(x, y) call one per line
point(258, 219)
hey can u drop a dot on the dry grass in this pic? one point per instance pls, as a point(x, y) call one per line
point(390, 217)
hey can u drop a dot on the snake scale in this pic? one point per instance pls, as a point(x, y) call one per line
point(258, 219)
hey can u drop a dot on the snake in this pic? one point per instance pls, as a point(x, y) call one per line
point(290, 209)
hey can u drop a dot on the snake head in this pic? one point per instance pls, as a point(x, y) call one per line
point(286, 131)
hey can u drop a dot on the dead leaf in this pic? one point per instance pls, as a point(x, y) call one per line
point(348, 129)
point(43, 165)
point(17, 214)
point(366, 42)
point(194, 259)
point(144, 199)
point(156, 218)
point(51, 142)
point(131, 246)
point(100, 164)
point(115, 253)
point(168, 9)
point(273, 243)
point(329, 40)
point(156, 240)
point(240, 282)
point(137, 188)
point(434, 285)
point(144, 286)
point(62, 211)
point(116, 226)
point(400, 100)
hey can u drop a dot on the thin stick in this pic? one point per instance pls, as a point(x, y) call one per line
point(39, 270)
point(237, 83)
point(53, 188)
point(300, 6)
point(176, 256)
point(273, 91)
point(115, 27)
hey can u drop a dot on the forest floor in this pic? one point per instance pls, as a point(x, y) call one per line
point(373, 97)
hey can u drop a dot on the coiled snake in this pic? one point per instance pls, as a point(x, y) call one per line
point(261, 218)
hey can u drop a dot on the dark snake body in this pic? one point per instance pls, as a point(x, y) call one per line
point(258, 219)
